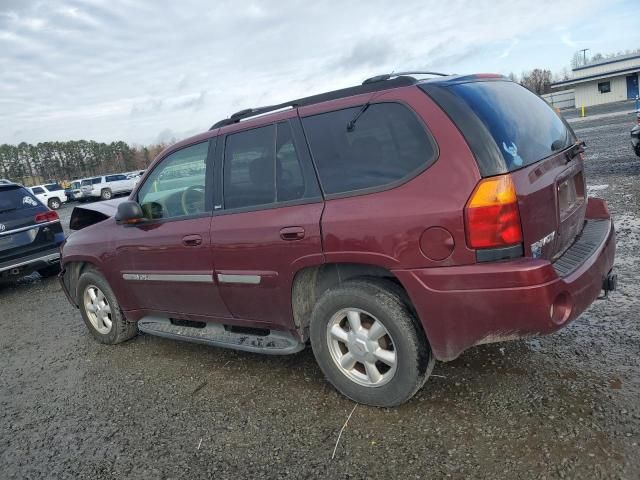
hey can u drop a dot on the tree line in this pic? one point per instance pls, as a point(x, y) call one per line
point(64, 161)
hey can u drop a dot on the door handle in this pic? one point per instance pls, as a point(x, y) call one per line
point(192, 240)
point(292, 233)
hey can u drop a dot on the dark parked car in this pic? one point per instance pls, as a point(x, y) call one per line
point(30, 234)
point(388, 224)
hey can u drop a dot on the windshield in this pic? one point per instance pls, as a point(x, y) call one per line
point(53, 187)
point(525, 128)
point(15, 198)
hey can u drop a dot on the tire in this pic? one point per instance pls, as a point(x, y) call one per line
point(637, 149)
point(50, 271)
point(106, 194)
point(54, 203)
point(120, 330)
point(373, 300)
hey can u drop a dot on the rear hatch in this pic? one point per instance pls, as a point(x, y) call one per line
point(18, 210)
point(511, 130)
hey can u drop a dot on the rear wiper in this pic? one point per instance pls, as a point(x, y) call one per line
point(352, 124)
point(575, 150)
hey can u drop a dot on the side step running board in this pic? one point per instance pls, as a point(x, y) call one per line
point(275, 343)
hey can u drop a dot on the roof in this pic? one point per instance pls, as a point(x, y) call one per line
point(596, 76)
point(366, 87)
point(370, 85)
point(606, 61)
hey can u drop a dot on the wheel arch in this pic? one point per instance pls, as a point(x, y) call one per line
point(71, 274)
point(311, 282)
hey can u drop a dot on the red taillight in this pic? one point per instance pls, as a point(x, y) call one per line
point(48, 216)
point(491, 215)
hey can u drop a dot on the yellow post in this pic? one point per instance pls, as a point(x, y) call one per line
point(582, 110)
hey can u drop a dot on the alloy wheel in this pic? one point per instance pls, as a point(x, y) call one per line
point(361, 347)
point(98, 309)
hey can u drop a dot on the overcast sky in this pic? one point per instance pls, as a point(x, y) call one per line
point(119, 70)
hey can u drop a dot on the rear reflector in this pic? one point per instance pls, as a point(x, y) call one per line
point(48, 216)
point(491, 215)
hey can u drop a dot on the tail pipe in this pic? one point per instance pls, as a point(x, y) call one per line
point(610, 283)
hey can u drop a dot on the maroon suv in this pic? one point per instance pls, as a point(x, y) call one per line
point(388, 224)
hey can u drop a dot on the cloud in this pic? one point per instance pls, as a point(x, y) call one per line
point(566, 39)
point(370, 52)
point(507, 51)
point(126, 69)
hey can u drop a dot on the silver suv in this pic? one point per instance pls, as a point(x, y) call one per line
point(106, 186)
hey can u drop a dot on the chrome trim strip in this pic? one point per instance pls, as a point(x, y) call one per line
point(24, 229)
point(168, 277)
point(239, 278)
point(46, 258)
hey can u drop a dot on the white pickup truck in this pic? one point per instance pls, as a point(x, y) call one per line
point(106, 186)
point(51, 194)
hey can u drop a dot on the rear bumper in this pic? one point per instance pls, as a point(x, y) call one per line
point(483, 303)
point(32, 262)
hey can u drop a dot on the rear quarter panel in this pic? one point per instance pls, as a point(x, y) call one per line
point(384, 228)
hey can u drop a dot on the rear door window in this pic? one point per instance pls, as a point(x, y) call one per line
point(16, 198)
point(37, 190)
point(249, 168)
point(524, 127)
point(387, 144)
point(262, 166)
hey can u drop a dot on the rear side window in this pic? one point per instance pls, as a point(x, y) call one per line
point(524, 127)
point(16, 198)
point(115, 178)
point(249, 168)
point(261, 167)
point(38, 190)
point(387, 144)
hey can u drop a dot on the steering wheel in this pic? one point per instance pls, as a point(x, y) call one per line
point(192, 200)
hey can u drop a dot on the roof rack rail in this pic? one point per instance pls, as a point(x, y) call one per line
point(387, 76)
point(366, 87)
point(251, 112)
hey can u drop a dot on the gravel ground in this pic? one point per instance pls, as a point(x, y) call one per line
point(562, 406)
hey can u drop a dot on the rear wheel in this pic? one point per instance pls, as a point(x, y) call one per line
point(54, 203)
point(106, 194)
point(100, 310)
point(368, 344)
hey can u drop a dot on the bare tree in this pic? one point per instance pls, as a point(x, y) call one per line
point(537, 80)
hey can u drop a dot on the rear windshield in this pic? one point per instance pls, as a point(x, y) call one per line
point(16, 198)
point(525, 128)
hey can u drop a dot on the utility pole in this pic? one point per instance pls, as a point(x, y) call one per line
point(584, 55)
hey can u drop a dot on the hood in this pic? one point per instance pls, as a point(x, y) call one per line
point(88, 214)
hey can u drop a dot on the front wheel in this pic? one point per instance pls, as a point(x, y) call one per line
point(100, 310)
point(368, 344)
point(54, 203)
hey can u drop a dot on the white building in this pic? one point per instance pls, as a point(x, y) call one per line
point(604, 81)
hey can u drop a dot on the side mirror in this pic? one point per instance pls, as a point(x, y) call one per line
point(129, 213)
